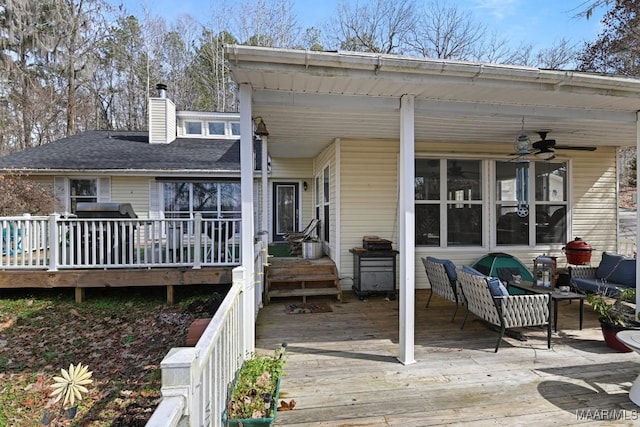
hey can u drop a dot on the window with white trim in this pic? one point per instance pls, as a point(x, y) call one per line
point(213, 199)
point(326, 204)
point(452, 202)
point(545, 184)
point(193, 128)
point(449, 197)
point(216, 128)
point(82, 190)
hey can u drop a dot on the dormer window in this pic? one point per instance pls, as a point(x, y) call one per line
point(213, 125)
point(217, 128)
point(193, 128)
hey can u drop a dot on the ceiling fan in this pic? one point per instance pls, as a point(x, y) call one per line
point(544, 148)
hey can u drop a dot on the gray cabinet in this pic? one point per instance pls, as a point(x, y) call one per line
point(374, 272)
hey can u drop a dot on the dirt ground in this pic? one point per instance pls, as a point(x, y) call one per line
point(122, 338)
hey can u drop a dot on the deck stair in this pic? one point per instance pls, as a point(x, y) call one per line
point(297, 277)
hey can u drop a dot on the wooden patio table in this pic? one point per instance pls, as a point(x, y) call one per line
point(556, 296)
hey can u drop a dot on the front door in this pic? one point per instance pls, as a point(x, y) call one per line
point(285, 209)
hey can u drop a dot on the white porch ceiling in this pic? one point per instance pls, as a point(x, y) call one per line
point(307, 99)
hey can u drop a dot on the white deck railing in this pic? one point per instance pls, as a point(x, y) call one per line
point(195, 379)
point(53, 242)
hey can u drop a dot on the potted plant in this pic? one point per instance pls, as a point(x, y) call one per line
point(253, 394)
point(615, 314)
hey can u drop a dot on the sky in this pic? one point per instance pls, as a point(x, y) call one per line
point(536, 22)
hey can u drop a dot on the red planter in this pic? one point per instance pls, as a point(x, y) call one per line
point(578, 252)
point(609, 332)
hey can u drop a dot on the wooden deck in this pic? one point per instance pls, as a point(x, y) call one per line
point(342, 371)
point(80, 279)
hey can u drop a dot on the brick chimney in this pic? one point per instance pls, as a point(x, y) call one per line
point(162, 117)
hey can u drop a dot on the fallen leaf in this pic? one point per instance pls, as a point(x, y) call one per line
point(284, 406)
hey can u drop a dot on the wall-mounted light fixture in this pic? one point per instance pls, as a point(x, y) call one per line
point(261, 128)
point(304, 185)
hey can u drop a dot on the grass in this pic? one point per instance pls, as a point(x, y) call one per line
point(121, 334)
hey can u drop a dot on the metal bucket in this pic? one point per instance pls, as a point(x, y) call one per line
point(311, 250)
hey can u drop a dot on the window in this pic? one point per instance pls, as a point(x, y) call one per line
point(235, 128)
point(216, 128)
point(544, 186)
point(211, 199)
point(449, 202)
point(193, 128)
point(82, 190)
point(326, 203)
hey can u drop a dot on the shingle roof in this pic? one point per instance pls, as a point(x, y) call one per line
point(121, 150)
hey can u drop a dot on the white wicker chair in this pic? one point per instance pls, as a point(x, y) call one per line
point(506, 312)
point(441, 285)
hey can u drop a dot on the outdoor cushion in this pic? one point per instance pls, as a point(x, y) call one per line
point(471, 270)
point(495, 285)
point(624, 273)
point(497, 288)
point(608, 263)
point(449, 267)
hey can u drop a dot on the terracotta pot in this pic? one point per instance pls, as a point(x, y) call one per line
point(609, 332)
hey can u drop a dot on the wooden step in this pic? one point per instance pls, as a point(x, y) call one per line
point(305, 292)
point(302, 279)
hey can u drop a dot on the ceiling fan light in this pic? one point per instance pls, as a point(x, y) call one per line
point(545, 154)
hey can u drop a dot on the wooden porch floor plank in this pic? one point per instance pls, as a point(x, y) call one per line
point(342, 370)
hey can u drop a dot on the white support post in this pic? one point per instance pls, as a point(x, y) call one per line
point(53, 242)
point(265, 187)
point(246, 189)
point(637, 212)
point(406, 234)
point(197, 241)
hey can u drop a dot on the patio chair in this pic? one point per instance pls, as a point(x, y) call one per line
point(505, 312)
point(292, 235)
point(443, 279)
point(295, 239)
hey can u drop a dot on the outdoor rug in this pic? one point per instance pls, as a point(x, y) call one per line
point(279, 250)
point(310, 307)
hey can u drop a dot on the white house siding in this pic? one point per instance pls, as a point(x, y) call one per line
point(369, 201)
point(292, 170)
point(595, 199)
point(368, 196)
point(134, 190)
point(162, 120)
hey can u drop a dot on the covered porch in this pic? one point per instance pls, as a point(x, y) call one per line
point(434, 155)
point(350, 376)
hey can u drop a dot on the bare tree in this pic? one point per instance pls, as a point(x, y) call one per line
point(381, 26)
point(79, 27)
point(561, 54)
point(445, 32)
point(267, 23)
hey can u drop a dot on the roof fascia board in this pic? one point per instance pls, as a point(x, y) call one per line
point(286, 59)
point(119, 172)
point(334, 102)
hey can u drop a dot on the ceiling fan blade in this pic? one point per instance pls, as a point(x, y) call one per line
point(576, 147)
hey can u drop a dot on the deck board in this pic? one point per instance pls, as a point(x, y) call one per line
point(342, 368)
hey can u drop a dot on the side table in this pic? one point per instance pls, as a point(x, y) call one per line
point(556, 296)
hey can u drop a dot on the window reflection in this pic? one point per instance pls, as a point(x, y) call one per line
point(549, 207)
